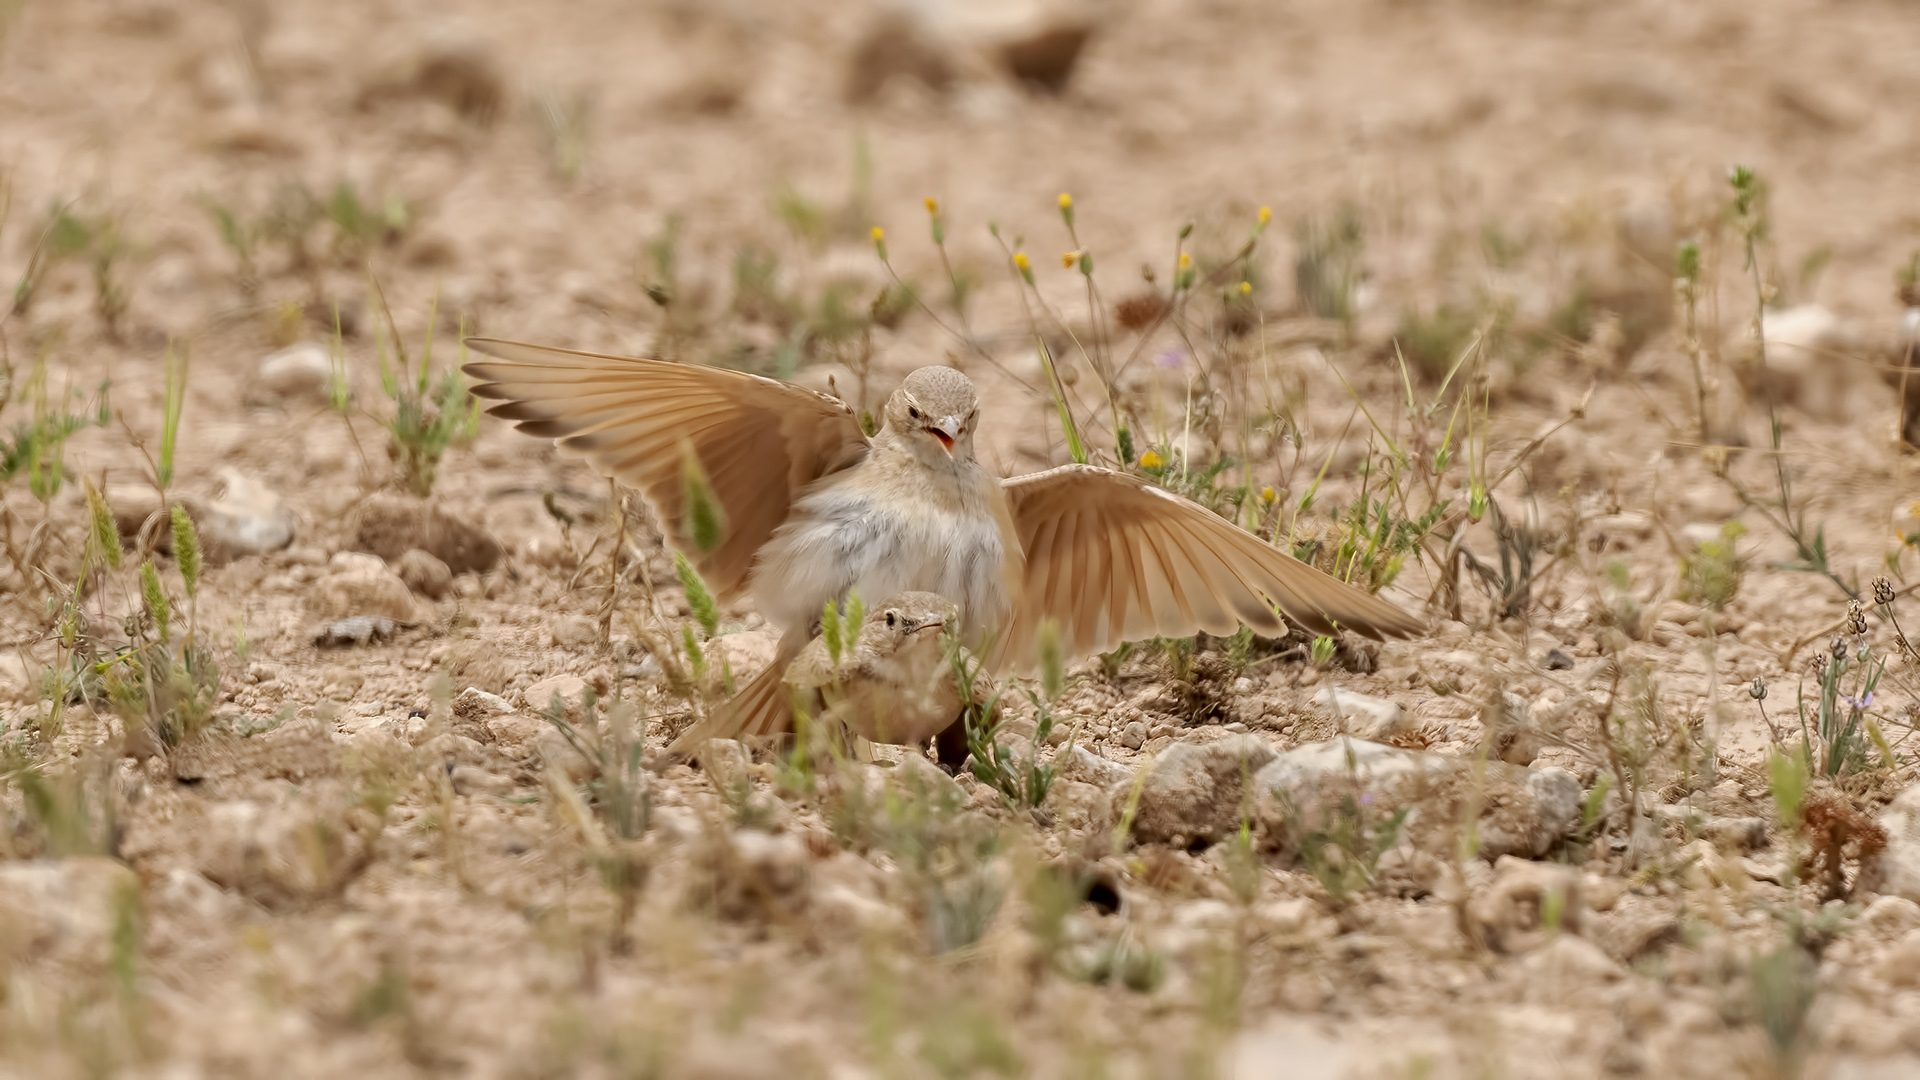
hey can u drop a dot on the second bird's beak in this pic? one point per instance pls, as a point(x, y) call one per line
point(947, 430)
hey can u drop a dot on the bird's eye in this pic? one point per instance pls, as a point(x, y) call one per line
point(892, 618)
point(913, 412)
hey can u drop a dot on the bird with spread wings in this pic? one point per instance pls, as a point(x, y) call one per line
point(814, 507)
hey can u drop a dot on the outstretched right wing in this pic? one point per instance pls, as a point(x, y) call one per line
point(1112, 558)
point(760, 442)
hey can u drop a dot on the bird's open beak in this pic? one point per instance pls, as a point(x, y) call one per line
point(947, 430)
point(930, 624)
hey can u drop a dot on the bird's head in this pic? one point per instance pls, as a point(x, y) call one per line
point(933, 414)
point(911, 615)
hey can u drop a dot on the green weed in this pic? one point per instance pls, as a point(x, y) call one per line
point(1019, 777)
point(1711, 573)
point(432, 412)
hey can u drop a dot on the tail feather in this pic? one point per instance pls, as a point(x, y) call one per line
point(763, 707)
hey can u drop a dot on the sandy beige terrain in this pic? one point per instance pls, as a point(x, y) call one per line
point(1465, 315)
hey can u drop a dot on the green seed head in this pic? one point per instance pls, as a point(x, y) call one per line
point(104, 533)
point(186, 548)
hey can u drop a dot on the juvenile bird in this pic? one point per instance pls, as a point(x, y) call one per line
point(814, 508)
point(896, 684)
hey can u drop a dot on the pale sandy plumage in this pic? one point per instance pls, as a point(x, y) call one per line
point(815, 508)
point(895, 685)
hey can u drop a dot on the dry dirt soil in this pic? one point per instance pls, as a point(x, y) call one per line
point(344, 863)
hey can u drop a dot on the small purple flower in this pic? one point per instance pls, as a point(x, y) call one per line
point(1172, 358)
point(1860, 703)
point(1366, 798)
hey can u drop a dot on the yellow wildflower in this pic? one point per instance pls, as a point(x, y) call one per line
point(1068, 258)
point(1267, 495)
point(1186, 261)
point(1020, 260)
point(1246, 288)
point(1266, 214)
point(1066, 201)
point(879, 235)
point(1151, 460)
point(933, 205)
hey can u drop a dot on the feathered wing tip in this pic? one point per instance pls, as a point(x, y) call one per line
point(1114, 559)
point(761, 708)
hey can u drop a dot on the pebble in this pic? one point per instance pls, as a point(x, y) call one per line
point(247, 519)
point(1809, 350)
point(1570, 965)
point(478, 702)
point(388, 525)
point(1296, 916)
point(354, 630)
point(516, 734)
point(1558, 661)
point(1197, 791)
point(1088, 767)
point(570, 689)
point(1371, 718)
point(297, 371)
point(1900, 967)
point(1510, 912)
point(1523, 811)
point(354, 590)
point(424, 573)
point(1890, 915)
point(61, 913)
point(1897, 870)
point(354, 562)
point(282, 851)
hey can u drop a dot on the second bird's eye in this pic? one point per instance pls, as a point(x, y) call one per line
point(891, 618)
point(913, 412)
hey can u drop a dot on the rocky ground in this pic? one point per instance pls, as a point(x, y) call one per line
point(368, 792)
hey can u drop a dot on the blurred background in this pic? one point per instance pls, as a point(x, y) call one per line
point(553, 173)
point(702, 180)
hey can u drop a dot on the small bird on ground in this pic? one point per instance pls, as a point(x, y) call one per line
point(895, 685)
point(813, 509)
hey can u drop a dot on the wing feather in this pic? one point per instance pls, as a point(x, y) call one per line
point(1115, 559)
point(1210, 584)
point(760, 442)
point(1091, 588)
point(1136, 617)
point(1161, 585)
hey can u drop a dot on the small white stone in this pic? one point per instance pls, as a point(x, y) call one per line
point(1090, 768)
point(570, 689)
point(482, 702)
point(1372, 718)
point(247, 519)
point(303, 370)
point(348, 562)
point(1891, 915)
